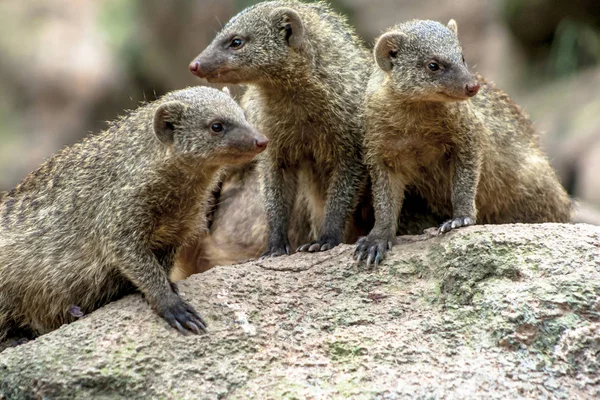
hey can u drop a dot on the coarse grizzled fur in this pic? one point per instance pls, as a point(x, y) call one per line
point(306, 74)
point(460, 142)
point(106, 217)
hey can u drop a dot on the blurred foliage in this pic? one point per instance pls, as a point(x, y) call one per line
point(559, 37)
point(9, 124)
point(119, 21)
point(117, 18)
point(576, 45)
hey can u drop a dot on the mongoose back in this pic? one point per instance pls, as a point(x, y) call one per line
point(107, 216)
point(458, 140)
point(306, 74)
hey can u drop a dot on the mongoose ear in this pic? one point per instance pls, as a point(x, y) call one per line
point(288, 21)
point(226, 91)
point(387, 47)
point(166, 117)
point(453, 26)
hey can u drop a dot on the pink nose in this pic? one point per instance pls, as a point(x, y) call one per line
point(471, 89)
point(261, 143)
point(195, 67)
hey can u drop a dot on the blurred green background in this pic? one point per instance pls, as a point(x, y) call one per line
point(67, 66)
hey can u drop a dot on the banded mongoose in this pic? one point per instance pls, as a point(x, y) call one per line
point(463, 144)
point(106, 217)
point(306, 74)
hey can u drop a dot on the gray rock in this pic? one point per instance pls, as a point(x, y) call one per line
point(484, 312)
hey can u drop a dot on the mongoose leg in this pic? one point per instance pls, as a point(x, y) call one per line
point(388, 195)
point(280, 191)
point(341, 201)
point(466, 169)
point(144, 270)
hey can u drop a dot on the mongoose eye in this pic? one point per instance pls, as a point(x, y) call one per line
point(217, 127)
point(236, 43)
point(433, 66)
point(463, 59)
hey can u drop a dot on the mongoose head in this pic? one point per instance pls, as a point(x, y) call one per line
point(262, 43)
point(424, 62)
point(202, 123)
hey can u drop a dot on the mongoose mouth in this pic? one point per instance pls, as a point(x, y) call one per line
point(217, 75)
point(238, 158)
point(240, 155)
point(224, 76)
point(454, 96)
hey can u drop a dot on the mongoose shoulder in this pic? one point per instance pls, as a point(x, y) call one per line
point(306, 74)
point(469, 150)
point(106, 217)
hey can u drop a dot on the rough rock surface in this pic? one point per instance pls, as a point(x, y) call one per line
point(484, 312)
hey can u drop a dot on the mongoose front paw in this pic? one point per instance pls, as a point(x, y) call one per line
point(373, 248)
point(182, 317)
point(276, 251)
point(323, 244)
point(456, 223)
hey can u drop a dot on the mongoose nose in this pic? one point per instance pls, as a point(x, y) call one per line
point(195, 67)
point(471, 89)
point(261, 143)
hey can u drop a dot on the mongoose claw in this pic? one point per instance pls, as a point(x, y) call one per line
point(276, 252)
point(278, 246)
point(304, 247)
point(183, 317)
point(180, 328)
point(358, 255)
point(325, 247)
point(373, 249)
point(197, 329)
point(374, 257)
point(371, 256)
point(323, 244)
point(455, 223)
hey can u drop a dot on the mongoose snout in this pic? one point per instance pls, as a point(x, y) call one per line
point(211, 66)
point(239, 146)
point(261, 143)
point(199, 70)
point(471, 89)
point(195, 68)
